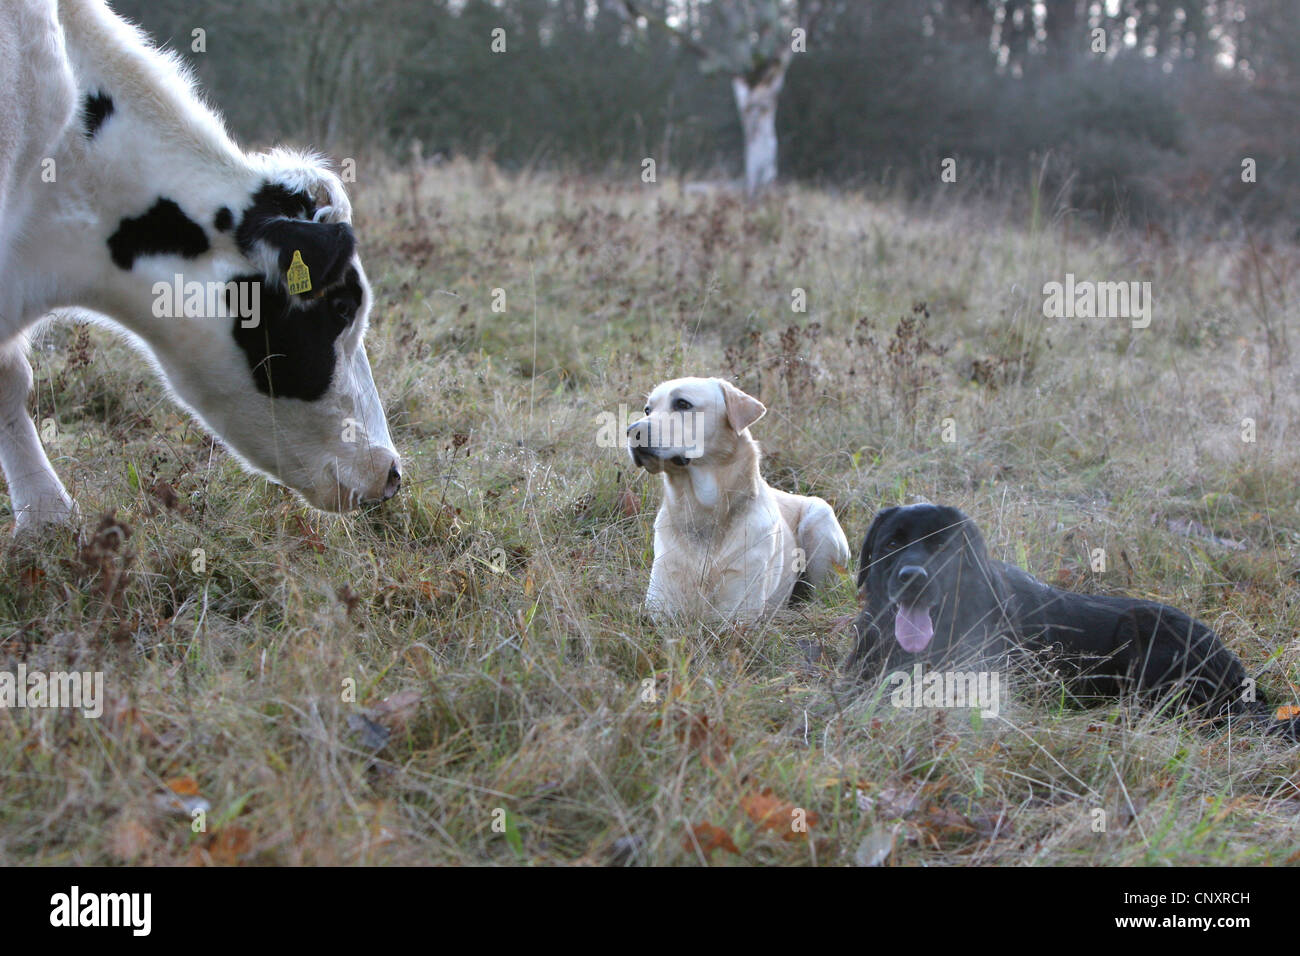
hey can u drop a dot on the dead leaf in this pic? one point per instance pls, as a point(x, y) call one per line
point(942, 821)
point(397, 710)
point(123, 718)
point(708, 838)
point(167, 496)
point(224, 847)
point(182, 798)
point(713, 741)
point(31, 578)
point(129, 840)
point(348, 598)
point(629, 504)
point(890, 802)
point(309, 536)
point(770, 812)
point(183, 786)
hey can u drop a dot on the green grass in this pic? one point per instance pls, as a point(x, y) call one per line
point(499, 594)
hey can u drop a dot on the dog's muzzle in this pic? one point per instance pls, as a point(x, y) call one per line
point(908, 584)
point(913, 625)
point(644, 455)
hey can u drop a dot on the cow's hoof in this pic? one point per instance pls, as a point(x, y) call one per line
point(52, 518)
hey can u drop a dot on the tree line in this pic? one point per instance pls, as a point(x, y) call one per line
point(1118, 109)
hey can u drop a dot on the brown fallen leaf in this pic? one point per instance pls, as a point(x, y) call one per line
point(348, 598)
point(712, 741)
point(181, 797)
point(183, 786)
point(891, 801)
point(944, 821)
point(770, 812)
point(129, 840)
point(166, 495)
point(708, 838)
point(224, 847)
point(397, 710)
point(124, 718)
point(309, 536)
point(629, 504)
point(31, 578)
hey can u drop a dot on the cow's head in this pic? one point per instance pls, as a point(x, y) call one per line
point(279, 372)
point(305, 354)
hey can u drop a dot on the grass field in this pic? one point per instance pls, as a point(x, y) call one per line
point(511, 705)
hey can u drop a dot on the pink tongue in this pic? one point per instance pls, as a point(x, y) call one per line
point(913, 628)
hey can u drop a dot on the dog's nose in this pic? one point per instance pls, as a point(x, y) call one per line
point(638, 434)
point(912, 574)
point(394, 483)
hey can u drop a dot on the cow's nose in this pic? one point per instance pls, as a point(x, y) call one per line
point(394, 481)
point(912, 574)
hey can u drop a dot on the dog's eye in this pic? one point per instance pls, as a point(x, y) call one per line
point(682, 405)
point(647, 409)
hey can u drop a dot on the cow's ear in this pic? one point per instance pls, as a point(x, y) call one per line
point(869, 544)
point(326, 247)
point(742, 409)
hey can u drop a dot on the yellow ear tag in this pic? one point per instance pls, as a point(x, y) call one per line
point(299, 275)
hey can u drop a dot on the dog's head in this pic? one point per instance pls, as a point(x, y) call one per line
point(924, 570)
point(691, 421)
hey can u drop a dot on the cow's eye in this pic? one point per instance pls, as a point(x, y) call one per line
point(682, 405)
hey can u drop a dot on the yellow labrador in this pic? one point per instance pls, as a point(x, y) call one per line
point(726, 544)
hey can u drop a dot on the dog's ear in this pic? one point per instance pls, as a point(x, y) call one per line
point(970, 534)
point(742, 409)
point(869, 545)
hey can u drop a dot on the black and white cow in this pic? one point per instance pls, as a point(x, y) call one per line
point(121, 194)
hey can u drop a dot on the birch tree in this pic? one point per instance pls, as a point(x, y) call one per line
point(753, 43)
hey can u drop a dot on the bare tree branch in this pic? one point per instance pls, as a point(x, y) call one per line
point(810, 12)
point(634, 10)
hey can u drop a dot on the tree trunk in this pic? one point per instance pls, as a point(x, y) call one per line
point(757, 106)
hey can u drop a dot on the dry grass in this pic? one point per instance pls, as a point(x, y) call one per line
point(524, 690)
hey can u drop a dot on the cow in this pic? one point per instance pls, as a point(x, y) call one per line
point(123, 197)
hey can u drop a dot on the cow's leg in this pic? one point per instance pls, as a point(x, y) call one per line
point(38, 496)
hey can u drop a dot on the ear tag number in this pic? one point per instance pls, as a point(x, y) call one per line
point(299, 275)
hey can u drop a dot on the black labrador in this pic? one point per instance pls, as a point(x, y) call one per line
point(934, 596)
